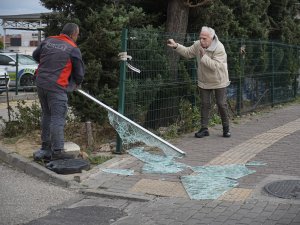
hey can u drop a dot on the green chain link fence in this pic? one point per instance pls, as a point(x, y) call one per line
point(165, 92)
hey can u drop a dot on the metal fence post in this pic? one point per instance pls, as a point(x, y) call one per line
point(241, 77)
point(273, 78)
point(297, 75)
point(7, 98)
point(17, 71)
point(122, 85)
point(195, 77)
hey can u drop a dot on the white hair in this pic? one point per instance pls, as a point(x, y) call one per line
point(208, 30)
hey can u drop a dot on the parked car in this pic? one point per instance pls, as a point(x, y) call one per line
point(26, 69)
point(4, 81)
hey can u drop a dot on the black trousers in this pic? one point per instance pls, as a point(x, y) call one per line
point(54, 110)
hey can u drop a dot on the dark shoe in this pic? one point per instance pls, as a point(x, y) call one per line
point(42, 154)
point(60, 154)
point(226, 132)
point(201, 133)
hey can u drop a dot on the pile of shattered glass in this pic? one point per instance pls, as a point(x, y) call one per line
point(206, 182)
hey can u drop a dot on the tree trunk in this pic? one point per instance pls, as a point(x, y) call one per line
point(177, 17)
point(176, 26)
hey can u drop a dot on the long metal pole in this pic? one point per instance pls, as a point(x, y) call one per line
point(7, 98)
point(17, 72)
point(4, 37)
point(130, 121)
point(273, 74)
point(122, 80)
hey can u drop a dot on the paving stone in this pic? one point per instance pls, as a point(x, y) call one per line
point(297, 219)
point(260, 219)
point(246, 220)
point(199, 215)
point(237, 216)
point(219, 209)
point(283, 206)
point(230, 222)
point(278, 214)
point(285, 220)
point(270, 208)
point(270, 222)
point(192, 222)
point(221, 218)
point(161, 188)
point(294, 209)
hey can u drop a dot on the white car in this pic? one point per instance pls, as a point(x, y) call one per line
point(4, 81)
point(26, 69)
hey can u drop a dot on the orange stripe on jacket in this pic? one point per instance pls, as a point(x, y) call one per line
point(63, 78)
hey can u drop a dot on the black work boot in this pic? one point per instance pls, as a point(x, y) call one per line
point(226, 132)
point(61, 154)
point(202, 132)
point(42, 155)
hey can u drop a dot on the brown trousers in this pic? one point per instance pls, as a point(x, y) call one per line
point(206, 102)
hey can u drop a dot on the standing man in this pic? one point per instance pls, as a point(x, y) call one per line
point(212, 75)
point(60, 66)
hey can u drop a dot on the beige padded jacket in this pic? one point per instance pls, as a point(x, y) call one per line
point(212, 67)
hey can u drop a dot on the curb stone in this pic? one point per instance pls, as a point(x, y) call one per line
point(133, 197)
point(34, 169)
point(31, 168)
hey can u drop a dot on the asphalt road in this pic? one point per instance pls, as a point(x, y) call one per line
point(26, 200)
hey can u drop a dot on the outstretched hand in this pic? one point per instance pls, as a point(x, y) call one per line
point(171, 43)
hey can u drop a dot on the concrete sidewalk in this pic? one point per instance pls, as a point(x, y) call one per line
point(271, 138)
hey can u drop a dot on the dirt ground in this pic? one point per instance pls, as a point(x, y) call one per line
point(75, 132)
point(23, 146)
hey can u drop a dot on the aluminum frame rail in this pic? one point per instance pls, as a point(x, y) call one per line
point(130, 121)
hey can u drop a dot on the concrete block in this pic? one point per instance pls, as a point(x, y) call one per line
point(72, 148)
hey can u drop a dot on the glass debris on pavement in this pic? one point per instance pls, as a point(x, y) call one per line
point(210, 182)
point(207, 182)
point(256, 163)
point(206, 186)
point(232, 171)
point(157, 163)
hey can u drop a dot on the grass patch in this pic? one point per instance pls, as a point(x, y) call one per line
point(10, 141)
point(96, 160)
